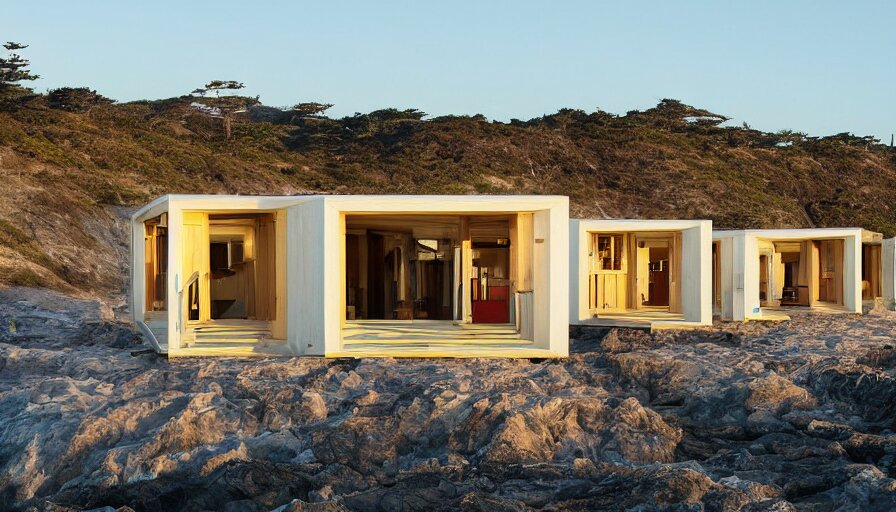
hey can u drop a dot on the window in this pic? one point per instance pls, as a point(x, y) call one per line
point(607, 252)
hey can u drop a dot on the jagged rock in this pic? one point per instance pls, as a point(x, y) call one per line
point(868, 392)
point(737, 417)
point(777, 395)
point(563, 429)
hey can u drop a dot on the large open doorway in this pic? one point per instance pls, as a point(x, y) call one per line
point(800, 273)
point(399, 273)
point(428, 267)
point(634, 273)
point(435, 277)
point(653, 278)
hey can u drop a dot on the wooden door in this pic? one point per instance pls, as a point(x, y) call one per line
point(608, 276)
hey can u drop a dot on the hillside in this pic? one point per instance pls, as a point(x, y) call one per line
point(73, 172)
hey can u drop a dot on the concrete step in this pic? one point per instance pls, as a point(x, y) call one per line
point(230, 330)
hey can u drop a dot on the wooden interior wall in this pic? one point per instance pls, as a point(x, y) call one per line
point(812, 270)
point(265, 275)
point(149, 247)
point(805, 277)
point(195, 257)
point(521, 242)
point(632, 299)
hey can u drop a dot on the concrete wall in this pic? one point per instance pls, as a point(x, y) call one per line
point(313, 289)
point(696, 262)
point(888, 272)
point(550, 262)
point(696, 273)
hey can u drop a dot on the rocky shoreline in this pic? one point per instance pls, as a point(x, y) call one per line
point(792, 416)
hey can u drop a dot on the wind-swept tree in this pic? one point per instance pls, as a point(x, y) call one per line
point(13, 70)
point(310, 109)
point(222, 106)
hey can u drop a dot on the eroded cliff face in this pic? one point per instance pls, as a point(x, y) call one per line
point(795, 416)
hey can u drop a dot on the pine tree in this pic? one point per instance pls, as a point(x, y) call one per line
point(222, 106)
point(13, 70)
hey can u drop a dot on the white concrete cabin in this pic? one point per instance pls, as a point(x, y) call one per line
point(640, 273)
point(764, 273)
point(352, 276)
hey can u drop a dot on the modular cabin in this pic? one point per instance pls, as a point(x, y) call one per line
point(640, 273)
point(352, 276)
point(766, 273)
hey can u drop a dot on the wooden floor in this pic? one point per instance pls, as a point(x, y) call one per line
point(434, 338)
point(646, 318)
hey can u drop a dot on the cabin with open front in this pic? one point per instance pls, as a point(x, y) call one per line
point(352, 276)
point(768, 273)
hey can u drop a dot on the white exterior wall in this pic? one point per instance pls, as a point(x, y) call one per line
point(740, 273)
point(314, 270)
point(696, 273)
point(696, 262)
point(852, 272)
point(888, 272)
point(550, 279)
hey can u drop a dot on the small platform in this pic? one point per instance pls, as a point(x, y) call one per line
point(653, 319)
point(230, 338)
point(782, 313)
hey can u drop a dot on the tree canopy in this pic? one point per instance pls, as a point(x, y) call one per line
point(13, 71)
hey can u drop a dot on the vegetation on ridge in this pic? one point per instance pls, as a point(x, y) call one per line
point(74, 164)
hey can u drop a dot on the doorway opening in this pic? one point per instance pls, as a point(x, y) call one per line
point(764, 272)
point(490, 282)
point(437, 280)
point(242, 266)
point(155, 241)
point(800, 273)
point(653, 273)
point(871, 271)
point(830, 271)
point(716, 277)
point(635, 274)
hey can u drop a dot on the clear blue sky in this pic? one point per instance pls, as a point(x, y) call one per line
point(816, 66)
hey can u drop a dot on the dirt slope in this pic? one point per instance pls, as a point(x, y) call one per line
point(71, 177)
